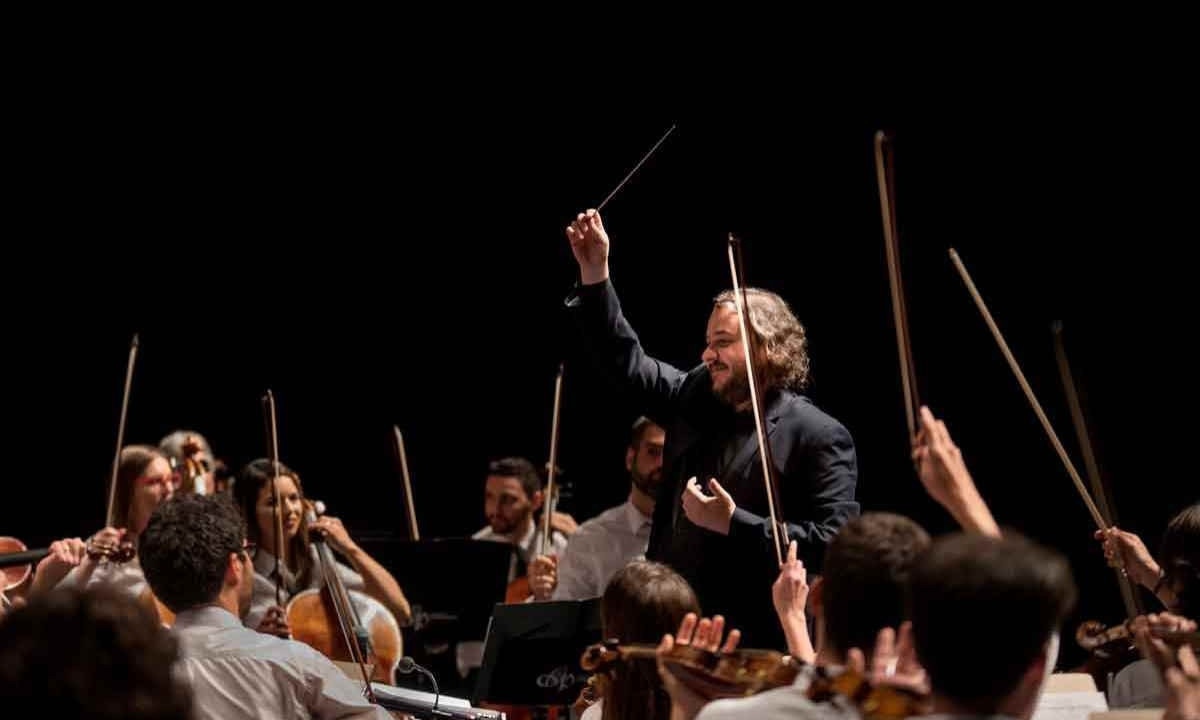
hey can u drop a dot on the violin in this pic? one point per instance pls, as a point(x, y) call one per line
point(343, 624)
point(709, 674)
point(1106, 642)
point(741, 673)
point(874, 701)
point(14, 577)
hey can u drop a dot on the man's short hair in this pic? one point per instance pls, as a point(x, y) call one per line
point(96, 654)
point(982, 610)
point(185, 548)
point(866, 570)
point(521, 469)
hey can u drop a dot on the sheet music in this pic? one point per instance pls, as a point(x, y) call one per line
point(1069, 705)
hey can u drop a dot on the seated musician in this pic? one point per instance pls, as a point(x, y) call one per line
point(512, 496)
point(144, 481)
point(614, 538)
point(867, 565)
point(861, 592)
point(1020, 591)
point(1180, 671)
point(94, 654)
point(643, 601)
point(198, 562)
point(1175, 581)
point(255, 496)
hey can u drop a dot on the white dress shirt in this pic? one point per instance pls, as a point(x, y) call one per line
point(598, 549)
point(527, 546)
point(236, 672)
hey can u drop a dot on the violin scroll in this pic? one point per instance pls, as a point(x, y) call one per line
point(114, 552)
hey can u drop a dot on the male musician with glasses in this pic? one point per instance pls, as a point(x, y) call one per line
point(198, 563)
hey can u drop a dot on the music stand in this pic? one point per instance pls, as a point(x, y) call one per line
point(532, 652)
point(451, 585)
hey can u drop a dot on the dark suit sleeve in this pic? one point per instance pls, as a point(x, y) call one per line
point(818, 485)
point(615, 349)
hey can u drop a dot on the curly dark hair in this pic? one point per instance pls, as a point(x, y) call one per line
point(96, 654)
point(185, 549)
point(780, 337)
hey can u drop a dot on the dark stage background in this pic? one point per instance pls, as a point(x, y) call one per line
point(398, 257)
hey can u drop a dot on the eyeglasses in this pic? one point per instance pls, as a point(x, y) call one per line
point(173, 480)
point(247, 549)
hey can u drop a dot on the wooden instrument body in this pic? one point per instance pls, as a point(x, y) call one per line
point(313, 619)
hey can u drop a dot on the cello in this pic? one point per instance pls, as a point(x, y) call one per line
point(330, 619)
point(343, 624)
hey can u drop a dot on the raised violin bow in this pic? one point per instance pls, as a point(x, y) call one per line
point(885, 176)
point(273, 452)
point(408, 492)
point(116, 463)
point(548, 506)
point(1097, 517)
point(1129, 596)
point(752, 374)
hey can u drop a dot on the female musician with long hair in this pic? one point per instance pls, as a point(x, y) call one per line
point(643, 601)
point(254, 495)
point(144, 481)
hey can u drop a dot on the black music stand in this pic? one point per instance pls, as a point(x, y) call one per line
point(451, 584)
point(532, 652)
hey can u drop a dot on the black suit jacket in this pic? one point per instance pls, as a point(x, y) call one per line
point(815, 467)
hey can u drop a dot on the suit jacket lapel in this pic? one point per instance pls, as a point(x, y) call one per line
point(748, 453)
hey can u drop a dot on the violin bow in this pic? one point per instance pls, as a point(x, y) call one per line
point(885, 175)
point(1129, 596)
point(273, 452)
point(408, 492)
point(1097, 517)
point(116, 463)
point(548, 505)
point(752, 374)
